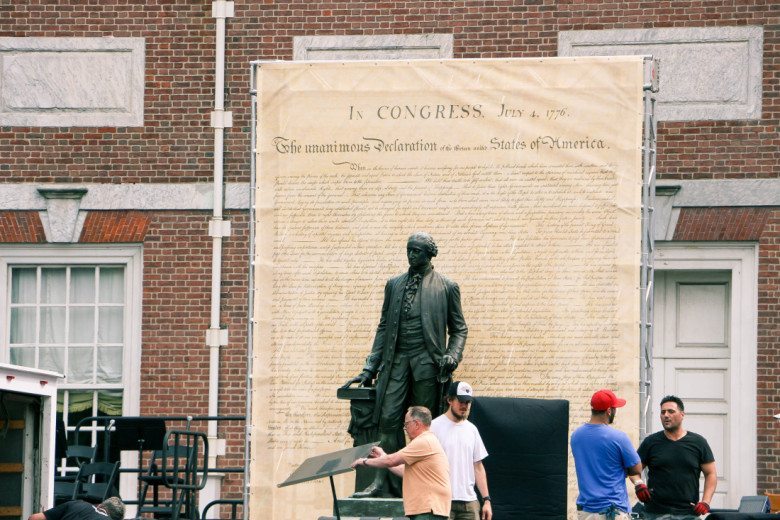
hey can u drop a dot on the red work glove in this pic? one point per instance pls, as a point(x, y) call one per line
point(702, 508)
point(642, 493)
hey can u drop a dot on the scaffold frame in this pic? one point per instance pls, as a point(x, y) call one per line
point(647, 269)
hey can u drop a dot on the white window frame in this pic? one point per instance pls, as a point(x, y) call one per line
point(73, 255)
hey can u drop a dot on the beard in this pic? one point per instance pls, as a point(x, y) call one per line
point(611, 416)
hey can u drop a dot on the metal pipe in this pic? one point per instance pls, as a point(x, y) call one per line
point(216, 257)
point(251, 289)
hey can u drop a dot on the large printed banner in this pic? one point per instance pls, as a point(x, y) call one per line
point(528, 175)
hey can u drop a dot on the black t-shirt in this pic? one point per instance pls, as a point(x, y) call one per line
point(674, 469)
point(75, 510)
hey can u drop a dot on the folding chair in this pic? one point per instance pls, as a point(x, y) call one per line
point(64, 484)
point(96, 481)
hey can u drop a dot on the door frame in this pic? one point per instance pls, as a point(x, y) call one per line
point(741, 259)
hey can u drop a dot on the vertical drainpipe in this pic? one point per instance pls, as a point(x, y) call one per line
point(219, 228)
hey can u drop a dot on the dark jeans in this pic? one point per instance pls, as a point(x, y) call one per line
point(428, 516)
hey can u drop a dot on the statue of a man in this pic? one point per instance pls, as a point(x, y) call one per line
point(418, 343)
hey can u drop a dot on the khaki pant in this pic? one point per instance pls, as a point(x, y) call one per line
point(584, 515)
point(464, 510)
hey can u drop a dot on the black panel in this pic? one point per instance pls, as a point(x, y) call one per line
point(527, 442)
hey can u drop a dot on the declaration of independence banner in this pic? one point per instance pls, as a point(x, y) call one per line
point(528, 175)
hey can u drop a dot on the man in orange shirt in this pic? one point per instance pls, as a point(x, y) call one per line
point(423, 466)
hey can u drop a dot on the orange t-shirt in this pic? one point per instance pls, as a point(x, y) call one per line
point(426, 477)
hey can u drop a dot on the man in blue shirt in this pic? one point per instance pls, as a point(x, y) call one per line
point(603, 457)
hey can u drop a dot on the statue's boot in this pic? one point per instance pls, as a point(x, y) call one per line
point(388, 440)
point(375, 489)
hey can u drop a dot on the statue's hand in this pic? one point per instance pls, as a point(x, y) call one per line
point(377, 451)
point(449, 363)
point(364, 378)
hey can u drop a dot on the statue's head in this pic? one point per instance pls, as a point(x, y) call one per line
point(420, 248)
point(426, 241)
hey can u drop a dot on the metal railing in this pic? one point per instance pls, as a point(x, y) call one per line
point(181, 437)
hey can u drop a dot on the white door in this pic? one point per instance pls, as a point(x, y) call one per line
point(704, 315)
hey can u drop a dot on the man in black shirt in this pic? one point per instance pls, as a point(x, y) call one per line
point(110, 509)
point(675, 458)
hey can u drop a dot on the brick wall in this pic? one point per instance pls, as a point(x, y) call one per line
point(768, 395)
point(21, 227)
point(114, 226)
point(175, 145)
point(721, 224)
point(176, 316)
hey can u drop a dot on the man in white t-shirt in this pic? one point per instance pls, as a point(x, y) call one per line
point(465, 451)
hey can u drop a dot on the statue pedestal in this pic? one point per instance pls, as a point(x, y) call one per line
point(361, 427)
point(372, 508)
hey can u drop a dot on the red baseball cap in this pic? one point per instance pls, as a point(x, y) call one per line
point(604, 400)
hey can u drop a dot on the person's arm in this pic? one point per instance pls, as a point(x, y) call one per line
point(640, 488)
point(379, 459)
point(480, 478)
point(55, 513)
point(631, 460)
point(634, 471)
point(710, 481)
point(635, 478)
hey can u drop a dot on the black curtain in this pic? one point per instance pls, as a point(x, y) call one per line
point(527, 443)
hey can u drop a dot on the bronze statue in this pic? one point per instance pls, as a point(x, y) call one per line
point(412, 356)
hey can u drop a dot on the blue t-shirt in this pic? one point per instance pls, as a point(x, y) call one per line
point(601, 456)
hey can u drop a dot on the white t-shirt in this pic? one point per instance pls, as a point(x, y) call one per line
point(464, 447)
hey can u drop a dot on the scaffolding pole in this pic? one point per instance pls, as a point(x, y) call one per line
point(647, 276)
point(251, 288)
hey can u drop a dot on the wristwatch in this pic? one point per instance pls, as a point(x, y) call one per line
point(486, 498)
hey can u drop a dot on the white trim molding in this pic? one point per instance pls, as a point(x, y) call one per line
point(106, 197)
point(741, 260)
point(706, 73)
point(72, 81)
point(373, 47)
point(128, 256)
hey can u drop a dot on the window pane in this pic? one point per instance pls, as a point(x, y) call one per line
point(82, 285)
point(85, 436)
point(80, 365)
point(70, 319)
point(110, 402)
point(24, 356)
point(82, 324)
point(110, 326)
point(53, 285)
point(52, 358)
point(52, 325)
point(112, 285)
point(79, 406)
point(23, 325)
point(23, 285)
point(109, 365)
